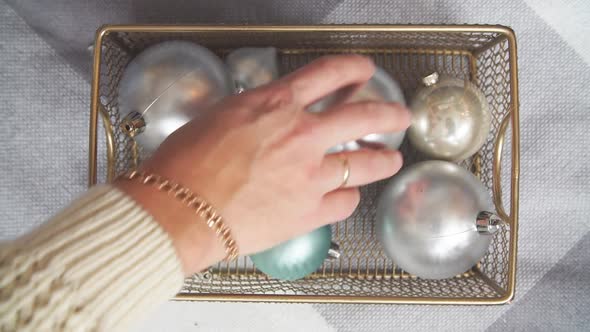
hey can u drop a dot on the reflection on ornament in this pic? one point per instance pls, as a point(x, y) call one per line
point(433, 220)
point(166, 86)
point(381, 87)
point(450, 118)
point(252, 67)
point(298, 257)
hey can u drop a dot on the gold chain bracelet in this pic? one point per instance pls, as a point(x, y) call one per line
point(193, 201)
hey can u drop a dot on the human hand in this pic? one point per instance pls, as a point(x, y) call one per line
point(259, 159)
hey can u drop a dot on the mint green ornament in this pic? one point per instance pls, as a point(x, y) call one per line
point(296, 258)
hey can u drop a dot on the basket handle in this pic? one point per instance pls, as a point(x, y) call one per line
point(108, 132)
point(497, 169)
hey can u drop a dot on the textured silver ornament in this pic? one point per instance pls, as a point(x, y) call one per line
point(166, 86)
point(433, 220)
point(450, 118)
point(252, 67)
point(381, 87)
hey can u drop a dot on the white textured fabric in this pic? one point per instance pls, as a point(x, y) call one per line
point(88, 268)
point(235, 317)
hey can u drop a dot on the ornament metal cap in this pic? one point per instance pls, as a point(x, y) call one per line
point(431, 79)
point(487, 222)
point(133, 124)
point(240, 87)
point(334, 251)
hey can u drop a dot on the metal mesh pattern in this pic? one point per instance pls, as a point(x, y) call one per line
point(363, 269)
point(114, 61)
point(470, 286)
point(493, 78)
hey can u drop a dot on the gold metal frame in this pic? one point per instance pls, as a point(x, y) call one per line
point(110, 143)
point(512, 119)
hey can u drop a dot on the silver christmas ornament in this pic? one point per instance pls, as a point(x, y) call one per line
point(450, 118)
point(433, 220)
point(166, 86)
point(381, 87)
point(252, 67)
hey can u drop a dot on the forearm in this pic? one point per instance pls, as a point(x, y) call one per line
point(95, 265)
point(196, 245)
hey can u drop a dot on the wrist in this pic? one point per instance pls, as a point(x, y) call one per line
point(197, 245)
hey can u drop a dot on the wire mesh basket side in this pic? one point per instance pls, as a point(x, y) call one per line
point(493, 78)
point(363, 270)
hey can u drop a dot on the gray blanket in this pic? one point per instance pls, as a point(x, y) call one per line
point(44, 103)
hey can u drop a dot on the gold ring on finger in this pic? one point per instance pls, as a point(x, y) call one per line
point(346, 175)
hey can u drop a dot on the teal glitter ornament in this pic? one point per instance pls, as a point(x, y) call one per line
point(296, 258)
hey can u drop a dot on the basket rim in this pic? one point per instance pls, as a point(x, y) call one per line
point(167, 28)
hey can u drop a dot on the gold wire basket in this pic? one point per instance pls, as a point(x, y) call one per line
point(485, 55)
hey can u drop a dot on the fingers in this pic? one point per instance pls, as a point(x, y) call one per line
point(326, 75)
point(364, 167)
point(336, 205)
point(352, 121)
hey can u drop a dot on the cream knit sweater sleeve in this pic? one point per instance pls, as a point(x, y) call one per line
point(95, 266)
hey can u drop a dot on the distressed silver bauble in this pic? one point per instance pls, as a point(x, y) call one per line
point(434, 220)
point(381, 87)
point(450, 118)
point(252, 67)
point(298, 257)
point(166, 86)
